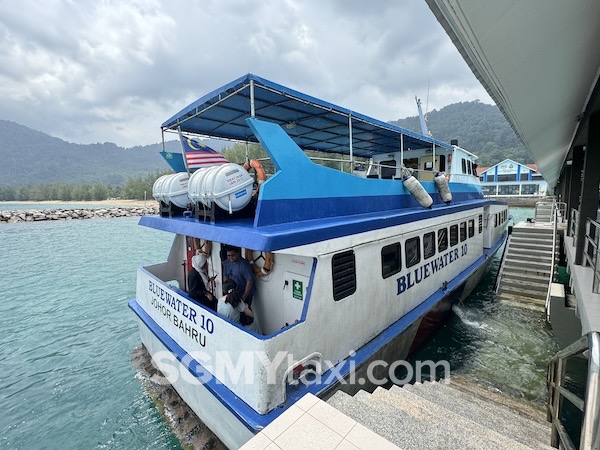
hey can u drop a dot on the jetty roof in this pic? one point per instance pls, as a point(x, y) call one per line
point(313, 124)
point(539, 61)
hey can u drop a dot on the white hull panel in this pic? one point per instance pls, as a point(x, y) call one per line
point(207, 407)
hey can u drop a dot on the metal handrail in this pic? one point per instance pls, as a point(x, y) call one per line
point(589, 405)
point(555, 213)
point(591, 250)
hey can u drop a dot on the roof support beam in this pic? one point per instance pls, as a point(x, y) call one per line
point(588, 206)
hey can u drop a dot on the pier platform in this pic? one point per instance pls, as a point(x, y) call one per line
point(416, 416)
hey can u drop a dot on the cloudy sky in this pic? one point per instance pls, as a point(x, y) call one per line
point(112, 71)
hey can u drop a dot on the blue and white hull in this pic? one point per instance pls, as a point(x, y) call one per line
point(359, 270)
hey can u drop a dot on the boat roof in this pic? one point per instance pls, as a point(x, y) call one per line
point(312, 123)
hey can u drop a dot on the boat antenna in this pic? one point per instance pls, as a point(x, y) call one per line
point(422, 120)
point(427, 102)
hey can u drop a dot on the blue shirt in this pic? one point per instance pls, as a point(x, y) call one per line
point(240, 271)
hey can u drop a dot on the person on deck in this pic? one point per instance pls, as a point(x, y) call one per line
point(239, 270)
point(233, 308)
point(198, 282)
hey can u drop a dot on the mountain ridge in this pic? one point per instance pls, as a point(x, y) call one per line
point(32, 157)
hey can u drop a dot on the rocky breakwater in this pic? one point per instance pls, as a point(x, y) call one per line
point(70, 214)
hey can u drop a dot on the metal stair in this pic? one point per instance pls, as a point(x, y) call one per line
point(435, 415)
point(527, 268)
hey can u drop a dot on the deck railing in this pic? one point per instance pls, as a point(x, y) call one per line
point(590, 247)
point(555, 220)
point(587, 346)
point(590, 253)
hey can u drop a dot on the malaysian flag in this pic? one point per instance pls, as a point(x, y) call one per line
point(198, 155)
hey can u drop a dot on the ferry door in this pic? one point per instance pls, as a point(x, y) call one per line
point(427, 168)
point(294, 294)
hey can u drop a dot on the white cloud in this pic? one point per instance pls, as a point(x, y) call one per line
point(90, 71)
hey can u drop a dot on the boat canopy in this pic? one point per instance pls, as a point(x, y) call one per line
point(312, 123)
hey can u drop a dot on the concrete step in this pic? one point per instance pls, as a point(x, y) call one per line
point(533, 251)
point(534, 247)
point(522, 284)
point(527, 264)
point(496, 417)
point(533, 230)
point(396, 426)
point(522, 275)
point(529, 272)
point(428, 425)
point(519, 301)
point(532, 239)
point(517, 291)
point(517, 253)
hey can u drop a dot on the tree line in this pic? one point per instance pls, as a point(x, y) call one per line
point(140, 187)
point(134, 188)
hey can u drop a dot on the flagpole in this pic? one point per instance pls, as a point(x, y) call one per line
point(183, 151)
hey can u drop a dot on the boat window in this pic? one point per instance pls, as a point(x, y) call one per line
point(453, 235)
point(388, 169)
point(442, 162)
point(411, 163)
point(495, 220)
point(480, 223)
point(464, 166)
point(471, 228)
point(469, 168)
point(428, 245)
point(463, 231)
point(343, 270)
point(442, 239)
point(390, 260)
point(412, 251)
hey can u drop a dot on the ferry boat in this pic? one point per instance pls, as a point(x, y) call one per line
point(352, 270)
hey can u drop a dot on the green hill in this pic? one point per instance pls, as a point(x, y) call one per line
point(478, 127)
point(30, 157)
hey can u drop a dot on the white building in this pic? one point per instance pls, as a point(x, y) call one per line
point(510, 178)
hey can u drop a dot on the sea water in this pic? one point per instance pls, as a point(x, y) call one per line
point(66, 336)
point(66, 379)
point(502, 347)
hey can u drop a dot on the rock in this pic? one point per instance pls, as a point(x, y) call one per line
point(69, 214)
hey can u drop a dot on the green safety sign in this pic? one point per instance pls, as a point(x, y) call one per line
point(297, 289)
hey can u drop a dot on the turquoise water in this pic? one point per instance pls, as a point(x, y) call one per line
point(66, 337)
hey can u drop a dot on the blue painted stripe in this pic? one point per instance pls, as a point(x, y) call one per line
point(243, 233)
point(254, 421)
point(272, 212)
